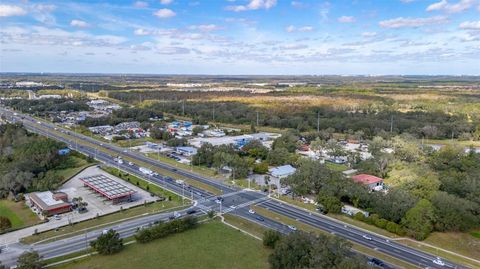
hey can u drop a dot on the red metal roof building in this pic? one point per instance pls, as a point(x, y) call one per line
point(48, 203)
point(371, 181)
point(108, 188)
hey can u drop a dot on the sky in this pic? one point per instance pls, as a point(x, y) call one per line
point(242, 37)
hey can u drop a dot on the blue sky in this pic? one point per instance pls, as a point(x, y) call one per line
point(242, 36)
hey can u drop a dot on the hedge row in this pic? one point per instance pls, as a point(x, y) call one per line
point(374, 219)
point(165, 228)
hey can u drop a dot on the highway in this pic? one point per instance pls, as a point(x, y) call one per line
point(236, 201)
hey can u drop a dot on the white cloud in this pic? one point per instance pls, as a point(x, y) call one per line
point(412, 22)
point(303, 29)
point(140, 4)
point(369, 34)
point(205, 27)
point(443, 5)
point(407, 1)
point(294, 46)
point(10, 10)
point(470, 25)
point(166, 2)
point(141, 32)
point(79, 23)
point(325, 10)
point(164, 13)
point(346, 19)
point(253, 5)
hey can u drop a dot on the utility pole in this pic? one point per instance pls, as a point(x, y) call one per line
point(213, 113)
point(257, 118)
point(391, 124)
point(183, 107)
point(318, 121)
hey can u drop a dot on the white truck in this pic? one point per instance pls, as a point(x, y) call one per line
point(146, 171)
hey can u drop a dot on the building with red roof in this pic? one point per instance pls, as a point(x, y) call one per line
point(373, 182)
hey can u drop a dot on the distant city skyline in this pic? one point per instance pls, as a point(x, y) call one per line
point(235, 37)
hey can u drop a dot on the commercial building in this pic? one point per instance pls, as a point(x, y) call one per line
point(186, 151)
point(108, 188)
point(48, 203)
point(282, 171)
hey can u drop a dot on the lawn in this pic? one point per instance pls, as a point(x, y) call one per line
point(336, 167)
point(211, 245)
point(78, 164)
point(18, 213)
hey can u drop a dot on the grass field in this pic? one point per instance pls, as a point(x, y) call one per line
point(18, 213)
point(211, 245)
point(79, 165)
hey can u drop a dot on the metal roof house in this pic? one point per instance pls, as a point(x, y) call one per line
point(282, 171)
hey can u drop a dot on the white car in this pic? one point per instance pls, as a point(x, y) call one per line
point(130, 163)
point(293, 228)
point(57, 217)
point(251, 211)
point(218, 201)
point(233, 206)
point(438, 261)
point(367, 237)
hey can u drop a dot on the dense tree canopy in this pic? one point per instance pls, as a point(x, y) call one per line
point(26, 160)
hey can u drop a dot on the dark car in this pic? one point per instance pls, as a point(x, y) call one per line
point(376, 262)
point(191, 211)
point(260, 218)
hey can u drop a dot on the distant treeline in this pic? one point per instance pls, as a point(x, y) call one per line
point(43, 106)
point(369, 120)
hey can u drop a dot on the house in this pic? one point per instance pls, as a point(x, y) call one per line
point(186, 151)
point(282, 171)
point(48, 203)
point(373, 182)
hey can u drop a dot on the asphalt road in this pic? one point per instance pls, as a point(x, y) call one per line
point(235, 201)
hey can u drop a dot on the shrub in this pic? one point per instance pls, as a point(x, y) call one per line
point(164, 229)
point(270, 238)
point(381, 223)
point(359, 216)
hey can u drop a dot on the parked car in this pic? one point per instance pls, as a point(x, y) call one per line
point(375, 262)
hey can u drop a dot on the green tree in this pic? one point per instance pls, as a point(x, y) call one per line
point(108, 243)
point(419, 220)
point(330, 203)
point(454, 213)
point(287, 141)
point(30, 260)
point(270, 238)
point(279, 156)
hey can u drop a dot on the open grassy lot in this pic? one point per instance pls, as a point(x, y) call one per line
point(211, 245)
point(19, 214)
point(78, 164)
point(461, 243)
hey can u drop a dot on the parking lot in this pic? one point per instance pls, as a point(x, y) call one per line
point(98, 204)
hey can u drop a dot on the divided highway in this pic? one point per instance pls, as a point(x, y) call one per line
point(235, 201)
